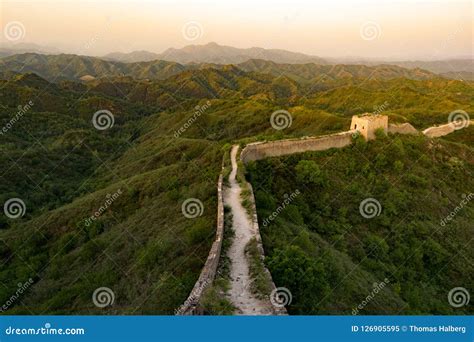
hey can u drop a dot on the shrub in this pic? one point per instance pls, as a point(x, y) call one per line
point(308, 172)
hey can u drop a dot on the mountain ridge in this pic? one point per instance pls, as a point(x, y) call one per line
point(75, 67)
point(215, 53)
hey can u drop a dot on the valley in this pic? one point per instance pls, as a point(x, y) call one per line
point(150, 254)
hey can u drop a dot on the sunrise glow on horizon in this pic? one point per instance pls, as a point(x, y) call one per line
point(372, 29)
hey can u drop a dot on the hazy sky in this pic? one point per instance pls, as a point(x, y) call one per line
point(393, 29)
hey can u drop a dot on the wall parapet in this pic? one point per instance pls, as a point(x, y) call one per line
point(208, 272)
point(265, 149)
point(442, 130)
point(278, 311)
point(439, 131)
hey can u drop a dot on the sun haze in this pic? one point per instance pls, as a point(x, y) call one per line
point(340, 28)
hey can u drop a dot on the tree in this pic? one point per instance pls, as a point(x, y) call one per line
point(309, 173)
point(302, 275)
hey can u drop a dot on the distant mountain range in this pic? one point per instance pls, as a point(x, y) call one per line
point(48, 63)
point(319, 73)
point(9, 49)
point(219, 54)
point(72, 67)
point(215, 53)
point(231, 82)
point(459, 75)
point(437, 66)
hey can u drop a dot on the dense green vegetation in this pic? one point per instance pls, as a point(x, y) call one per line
point(340, 73)
point(214, 301)
point(72, 67)
point(142, 246)
point(464, 136)
point(329, 255)
point(261, 285)
point(55, 138)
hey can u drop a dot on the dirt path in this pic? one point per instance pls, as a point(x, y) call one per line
point(240, 294)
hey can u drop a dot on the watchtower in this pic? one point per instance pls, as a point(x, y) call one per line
point(367, 123)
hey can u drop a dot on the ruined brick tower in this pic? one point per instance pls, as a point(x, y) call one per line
point(366, 124)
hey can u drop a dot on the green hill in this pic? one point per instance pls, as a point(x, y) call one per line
point(142, 246)
point(73, 67)
point(316, 73)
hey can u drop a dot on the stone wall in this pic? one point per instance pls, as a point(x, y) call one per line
point(208, 272)
point(265, 149)
point(442, 130)
point(404, 128)
point(439, 131)
point(276, 310)
point(261, 150)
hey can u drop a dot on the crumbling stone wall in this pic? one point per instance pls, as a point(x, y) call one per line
point(279, 311)
point(208, 272)
point(261, 150)
point(439, 131)
point(442, 130)
point(404, 128)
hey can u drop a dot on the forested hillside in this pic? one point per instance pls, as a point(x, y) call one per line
point(171, 127)
point(73, 67)
point(329, 252)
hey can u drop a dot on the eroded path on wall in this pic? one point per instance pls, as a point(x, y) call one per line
point(240, 293)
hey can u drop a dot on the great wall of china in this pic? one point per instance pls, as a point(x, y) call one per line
point(266, 149)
